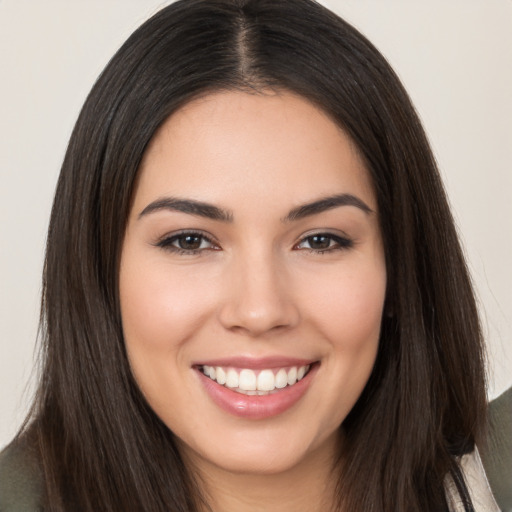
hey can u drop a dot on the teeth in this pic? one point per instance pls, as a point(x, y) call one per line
point(232, 378)
point(266, 381)
point(281, 379)
point(292, 376)
point(249, 382)
point(221, 375)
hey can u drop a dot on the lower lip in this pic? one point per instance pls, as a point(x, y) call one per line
point(257, 407)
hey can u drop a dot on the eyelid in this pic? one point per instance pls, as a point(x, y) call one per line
point(334, 232)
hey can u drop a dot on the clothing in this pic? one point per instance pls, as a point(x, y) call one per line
point(20, 481)
point(478, 486)
point(497, 454)
point(21, 486)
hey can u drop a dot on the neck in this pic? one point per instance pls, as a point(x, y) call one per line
point(310, 486)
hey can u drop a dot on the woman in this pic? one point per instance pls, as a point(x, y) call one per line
point(254, 295)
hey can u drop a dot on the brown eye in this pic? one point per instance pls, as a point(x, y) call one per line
point(324, 242)
point(319, 242)
point(187, 243)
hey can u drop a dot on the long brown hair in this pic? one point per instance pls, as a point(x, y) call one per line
point(101, 446)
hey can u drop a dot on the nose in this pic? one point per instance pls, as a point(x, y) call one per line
point(259, 297)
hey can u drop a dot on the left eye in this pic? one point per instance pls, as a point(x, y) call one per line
point(322, 242)
point(187, 243)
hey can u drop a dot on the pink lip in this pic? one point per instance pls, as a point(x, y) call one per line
point(256, 407)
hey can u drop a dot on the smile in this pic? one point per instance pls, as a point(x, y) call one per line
point(256, 389)
point(255, 382)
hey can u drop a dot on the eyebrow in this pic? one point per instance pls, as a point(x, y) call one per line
point(202, 209)
point(190, 206)
point(325, 204)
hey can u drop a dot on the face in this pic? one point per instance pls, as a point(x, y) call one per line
point(252, 280)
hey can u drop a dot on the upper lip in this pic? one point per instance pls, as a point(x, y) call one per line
point(255, 363)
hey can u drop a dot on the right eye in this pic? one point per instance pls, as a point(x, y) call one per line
point(187, 243)
point(325, 242)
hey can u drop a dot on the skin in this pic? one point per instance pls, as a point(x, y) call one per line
point(261, 288)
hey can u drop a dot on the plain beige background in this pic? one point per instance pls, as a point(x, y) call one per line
point(454, 56)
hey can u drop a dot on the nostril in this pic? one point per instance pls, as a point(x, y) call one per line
point(254, 318)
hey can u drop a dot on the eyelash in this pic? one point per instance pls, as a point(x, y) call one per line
point(340, 243)
point(166, 243)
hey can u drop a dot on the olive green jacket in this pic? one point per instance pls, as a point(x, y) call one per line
point(497, 455)
point(21, 485)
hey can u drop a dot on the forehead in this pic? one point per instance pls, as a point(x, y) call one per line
point(230, 145)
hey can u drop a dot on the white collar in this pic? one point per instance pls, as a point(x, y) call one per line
point(477, 484)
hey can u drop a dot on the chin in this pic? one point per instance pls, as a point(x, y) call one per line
point(267, 452)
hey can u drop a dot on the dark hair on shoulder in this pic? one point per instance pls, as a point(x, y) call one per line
point(101, 446)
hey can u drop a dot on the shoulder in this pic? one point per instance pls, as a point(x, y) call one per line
point(20, 479)
point(497, 454)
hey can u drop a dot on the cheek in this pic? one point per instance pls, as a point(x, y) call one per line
point(350, 314)
point(160, 310)
point(349, 320)
point(157, 306)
